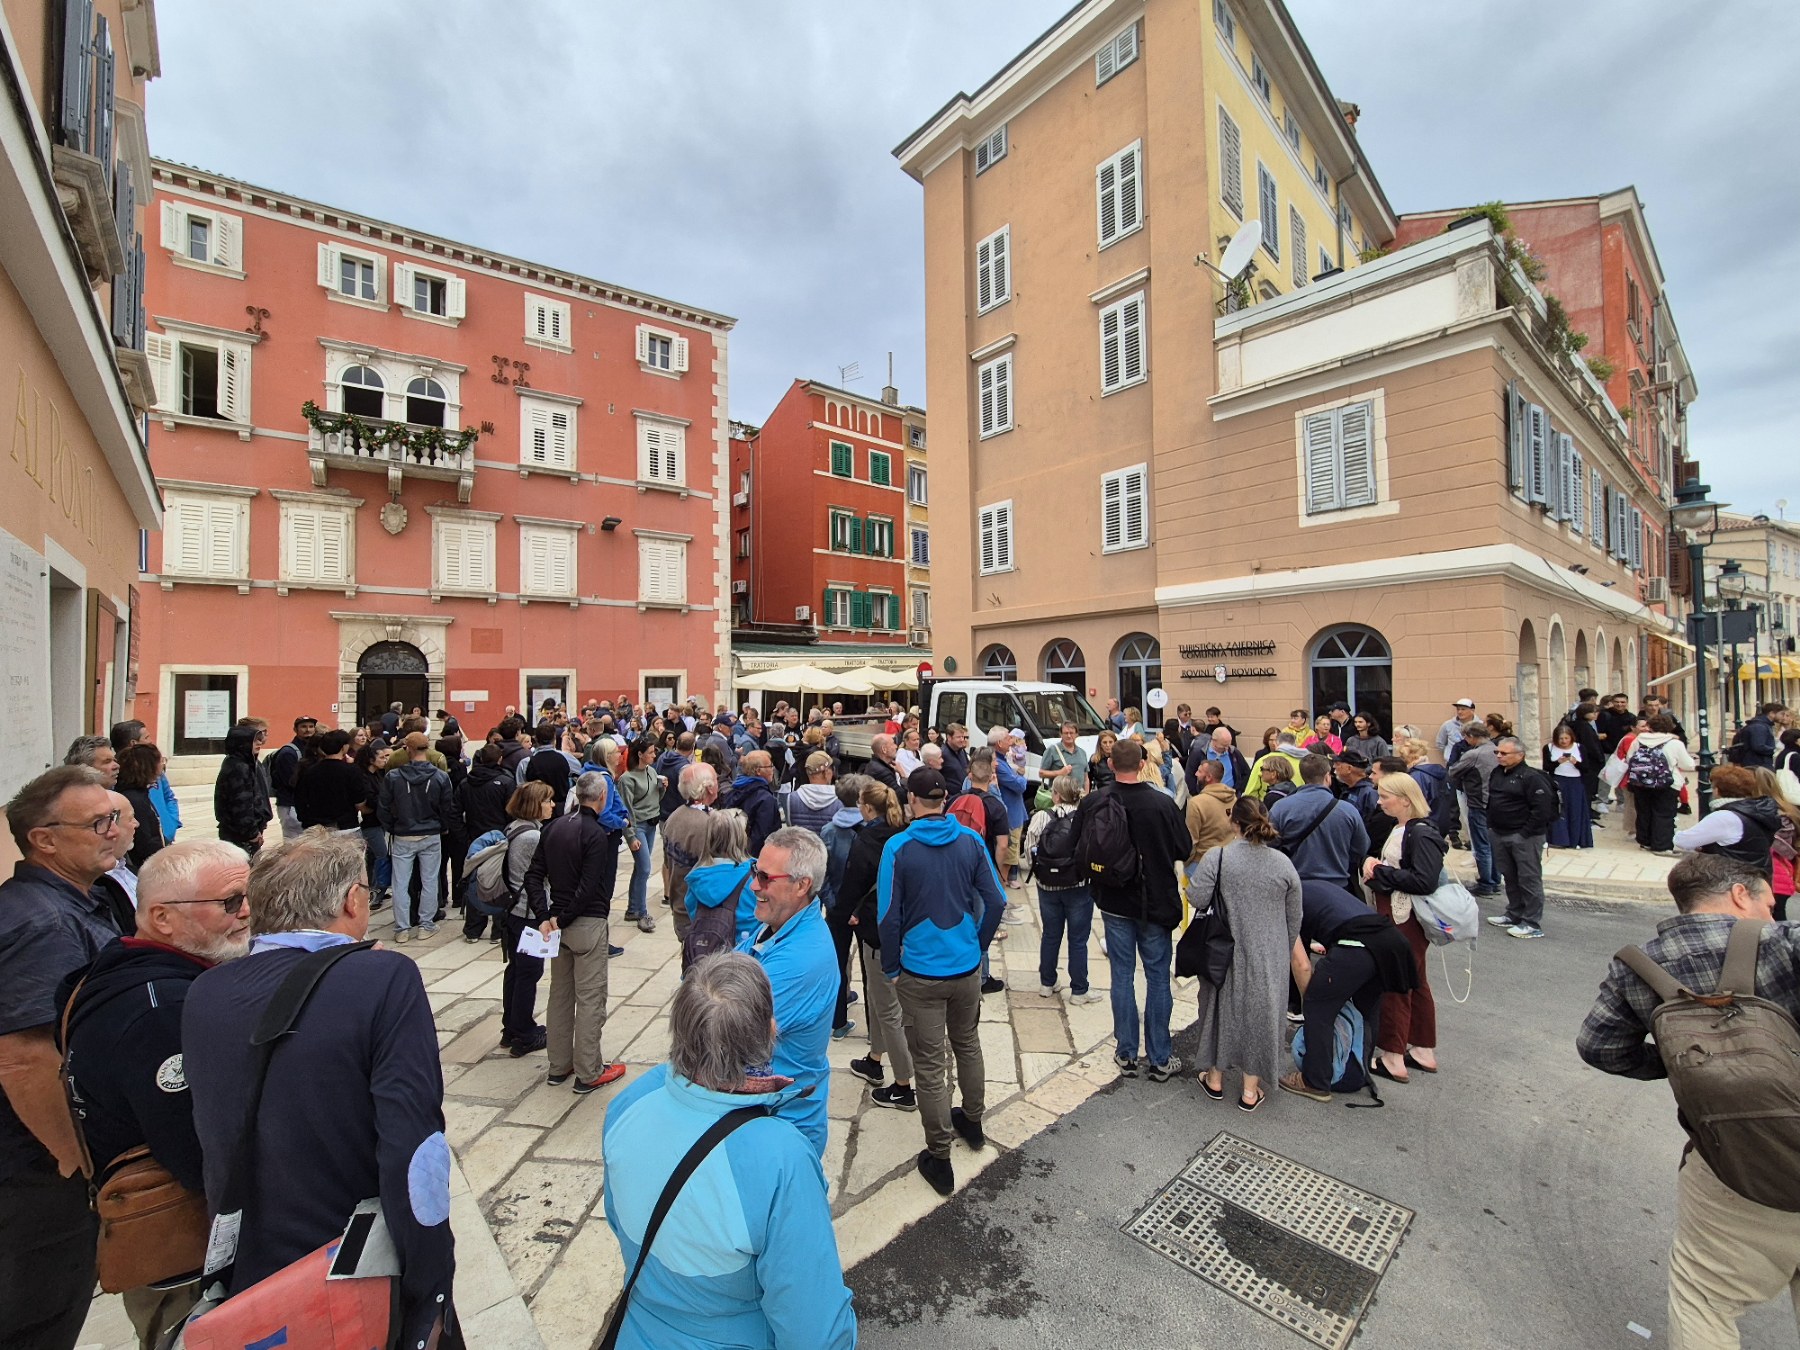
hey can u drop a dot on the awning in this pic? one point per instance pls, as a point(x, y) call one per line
point(1672, 676)
point(1674, 641)
point(885, 679)
point(1771, 668)
point(804, 679)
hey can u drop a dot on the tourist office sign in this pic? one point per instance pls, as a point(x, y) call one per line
point(1222, 671)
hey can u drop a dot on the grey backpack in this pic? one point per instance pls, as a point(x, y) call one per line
point(1734, 1065)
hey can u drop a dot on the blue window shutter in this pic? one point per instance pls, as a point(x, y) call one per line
point(1515, 439)
point(76, 97)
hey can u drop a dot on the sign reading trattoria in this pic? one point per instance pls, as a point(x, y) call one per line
point(1205, 651)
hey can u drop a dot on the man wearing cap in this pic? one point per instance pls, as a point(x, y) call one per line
point(1354, 784)
point(1450, 735)
point(938, 904)
point(284, 767)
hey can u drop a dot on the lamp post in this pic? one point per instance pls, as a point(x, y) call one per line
point(1776, 649)
point(1732, 585)
point(1695, 513)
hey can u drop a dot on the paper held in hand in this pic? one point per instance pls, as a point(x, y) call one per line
point(534, 943)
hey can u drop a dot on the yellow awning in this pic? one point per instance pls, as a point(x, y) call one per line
point(1771, 668)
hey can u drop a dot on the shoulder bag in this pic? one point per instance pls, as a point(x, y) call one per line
point(714, 1136)
point(1448, 914)
point(1207, 946)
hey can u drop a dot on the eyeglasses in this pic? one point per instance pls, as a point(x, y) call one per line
point(99, 825)
point(762, 878)
point(231, 904)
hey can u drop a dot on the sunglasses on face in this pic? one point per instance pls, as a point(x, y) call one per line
point(762, 878)
point(231, 904)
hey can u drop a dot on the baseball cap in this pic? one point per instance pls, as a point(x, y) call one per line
point(1354, 758)
point(1465, 703)
point(927, 784)
point(305, 722)
point(1017, 734)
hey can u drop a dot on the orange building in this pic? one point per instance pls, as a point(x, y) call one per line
point(400, 468)
point(828, 534)
point(75, 485)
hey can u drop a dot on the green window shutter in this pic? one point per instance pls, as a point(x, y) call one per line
point(856, 534)
point(840, 459)
point(873, 535)
point(893, 609)
point(878, 468)
point(859, 610)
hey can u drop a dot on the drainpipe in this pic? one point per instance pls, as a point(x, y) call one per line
point(1338, 211)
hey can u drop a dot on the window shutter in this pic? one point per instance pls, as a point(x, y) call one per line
point(1270, 206)
point(991, 151)
point(840, 459)
point(334, 546)
point(1104, 63)
point(1131, 338)
point(1231, 164)
point(1637, 540)
point(537, 434)
point(880, 469)
point(986, 380)
point(1553, 471)
point(984, 274)
point(1127, 44)
point(1137, 522)
point(184, 527)
point(1112, 511)
point(1107, 187)
point(234, 382)
point(1003, 394)
point(1297, 239)
point(174, 229)
point(856, 534)
point(77, 94)
point(1596, 507)
point(1537, 427)
point(227, 242)
point(1577, 491)
point(1321, 469)
point(654, 463)
point(535, 565)
point(680, 358)
point(1570, 464)
point(1131, 213)
point(328, 267)
point(303, 545)
point(451, 554)
point(221, 539)
point(403, 286)
point(1002, 282)
point(1003, 537)
point(1358, 448)
point(560, 448)
point(161, 352)
point(989, 541)
point(1110, 375)
point(643, 345)
point(1515, 439)
point(478, 557)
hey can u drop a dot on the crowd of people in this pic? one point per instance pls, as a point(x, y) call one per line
point(137, 962)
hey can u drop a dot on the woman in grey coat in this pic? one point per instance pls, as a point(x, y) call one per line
point(1241, 1021)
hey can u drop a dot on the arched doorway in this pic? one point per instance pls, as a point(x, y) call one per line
point(1628, 674)
point(1526, 726)
point(1560, 700)
point(388, 673)
point(1139, 669)
point(998, 663)
point(1352, 664)
point(1618, 675)
point(1065, 664)
point(1584, 674)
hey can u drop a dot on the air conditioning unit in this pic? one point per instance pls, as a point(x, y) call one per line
point(1656, 590)
point(802, 613)
point(740, 499)
point(1662, 372)
point(918, 637)
point(740, 588)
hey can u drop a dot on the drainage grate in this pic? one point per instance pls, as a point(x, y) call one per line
point(1296, 1245)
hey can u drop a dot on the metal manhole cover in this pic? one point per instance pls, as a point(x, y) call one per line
point(1296, 1245)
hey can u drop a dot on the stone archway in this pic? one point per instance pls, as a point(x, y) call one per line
point(1560, 700)
point(1584, 668)
point(357, 633)
point(1527, 725)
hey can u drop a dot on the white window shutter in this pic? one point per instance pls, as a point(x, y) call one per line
point(1137, 523)
point(675, 454)
point(303, 544)
point(221, 539)
point(1127, 45)
point(1515, 439)
point(228, 241)
point(1131, 213)
point(984, 274)
point(1231, 164)
point(184, 528)
point(1297, 241)
point(534, 566)
point(1104, 63)
point(173, 227)
point(562, 563)
point(161, 353)
point(1112, 511)
point(1003, 537)
point(561, 438)
point(480, 538)
point(1131, 339)
point(234, 382)
point(653, 454)
point(456, 303)
point(988, 542)
point(328, 267)
point(1002, 266)
point(1107, 192)
point(680, 357)
point(986, 380)
point(535, 434)
point(1357, 444)
point(643, 345)
point(334, 546)
point(1003, 393)
point(1321, 467)
point(403, 285)
point(1110, 375)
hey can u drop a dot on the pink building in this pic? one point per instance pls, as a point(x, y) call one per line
point(395, 467)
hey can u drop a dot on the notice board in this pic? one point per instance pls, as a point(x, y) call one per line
point(25, 749)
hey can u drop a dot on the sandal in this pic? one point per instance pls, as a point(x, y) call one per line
point(1251, 1106)
point(1412, 1063)
point(1217, 1095)
point(1381, 1070)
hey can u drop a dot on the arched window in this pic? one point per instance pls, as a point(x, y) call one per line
point(1139, 669)
point(425, 403)
point(998, 663)
point(1064, 664)
point(359, 392)
point(1353, 665)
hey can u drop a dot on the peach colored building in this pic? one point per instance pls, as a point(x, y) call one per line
point(75, 487)
point(1316, 480)
point(402, 468)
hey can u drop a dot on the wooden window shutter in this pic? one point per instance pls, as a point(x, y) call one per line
point(184, 527)
point(1537, 453)
point(1110, 374)
point(984, 274)
point(228, 242)
point(1321, 467)
point(303, 545)
point(1596, 507)
point(1269, 205)
point(174, 227)
point(1003, 537)
point(234, 382)
point(537, 434)
point(1127, 45)
point(1515, 439)
point(985, 378)
point(221, 529)
point(643, 345)
point(561, 439)
point(1105, 63)
point(1131, 339)
point(1131, 204)
point(1107, 190)
point(1553, 471)
point(1136, 507)
point(403, 287)
point(856, 534)
point(161, 352)
point(1577, 491)
point(653, 465)
point(1112, 511)
point(536, 566)
point(1002, 266)
point(1356, 441)
point(451, 553)
point(479, 537)
point(989, 540)
point(334, 545)
point(456, 298)
point(1003, 393)
point(1297, 240)
point(1636, 540)
point(328, 267)
point(1231, 164)
point(76, 95)
point(680, 358)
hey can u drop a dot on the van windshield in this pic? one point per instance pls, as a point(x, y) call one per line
point(1049, 709)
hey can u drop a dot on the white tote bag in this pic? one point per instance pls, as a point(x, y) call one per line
point(1448, 914)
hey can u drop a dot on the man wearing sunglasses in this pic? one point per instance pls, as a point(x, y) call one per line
point(125, 1029)
point(66, 828)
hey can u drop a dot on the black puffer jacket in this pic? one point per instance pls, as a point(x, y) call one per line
point(241, 792)
point(1762, 822)
point(573, 872)
point(484, 795)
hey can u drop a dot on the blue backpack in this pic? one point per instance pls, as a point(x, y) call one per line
point(1347, 1054)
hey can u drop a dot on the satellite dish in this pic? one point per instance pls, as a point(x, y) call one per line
point(1241, 249)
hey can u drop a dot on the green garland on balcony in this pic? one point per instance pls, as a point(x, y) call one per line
point(424, 443)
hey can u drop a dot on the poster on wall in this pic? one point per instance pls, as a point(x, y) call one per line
point(25, 749)
point(206, 714)
point(660, 695)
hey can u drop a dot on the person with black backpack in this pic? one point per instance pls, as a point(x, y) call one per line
point(1735, 1081)
point(1130, 838)
point(1064, 900)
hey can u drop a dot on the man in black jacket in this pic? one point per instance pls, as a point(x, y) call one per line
point(352, 1106)
point(124, 1043)
point(1180, 731)
point(1521, 803)
point(331, 791)
point(1141, 915)
point(284, 767)
point(241, 791)
point(483, 798)
point(569, 888)
point(417, 809)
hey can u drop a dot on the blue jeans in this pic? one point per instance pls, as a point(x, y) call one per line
point(426, 852)
point(1126, 940)
point(1073, 908)
point(1486, 874)
point(640, 871)
point(375, 850)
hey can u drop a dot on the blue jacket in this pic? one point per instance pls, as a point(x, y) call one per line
point(761, 1193)
point(1012, 787)
point(756, 799)
point(710, 887)
point(168, 810)
point(937, 899)
point(803, 972)
point(1332, 851)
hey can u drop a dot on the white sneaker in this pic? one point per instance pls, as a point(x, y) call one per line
point(1015, 915)
point(1500, 921)
point(1048, 990)
point(403, 935)
point(1092, 996)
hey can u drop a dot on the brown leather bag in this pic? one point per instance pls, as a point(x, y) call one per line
point(153, 1229)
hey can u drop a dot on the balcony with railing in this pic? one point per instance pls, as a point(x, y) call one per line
point(398, 449)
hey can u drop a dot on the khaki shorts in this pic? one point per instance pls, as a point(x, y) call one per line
point(1013, 841)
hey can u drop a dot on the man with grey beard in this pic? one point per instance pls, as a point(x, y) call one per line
point(124, 1039)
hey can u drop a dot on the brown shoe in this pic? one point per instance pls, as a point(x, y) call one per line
point(1294, 1083)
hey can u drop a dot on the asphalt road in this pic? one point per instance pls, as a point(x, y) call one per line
point(1544, 1192)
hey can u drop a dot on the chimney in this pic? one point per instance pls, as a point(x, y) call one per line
point(889, 394)
point(1350, 112)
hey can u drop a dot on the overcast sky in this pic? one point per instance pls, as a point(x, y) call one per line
point(736, 154)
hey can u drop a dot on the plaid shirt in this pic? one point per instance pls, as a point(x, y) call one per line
point(1691, 947)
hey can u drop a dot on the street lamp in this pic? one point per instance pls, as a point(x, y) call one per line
point(1733, 584)
point(1697, 514)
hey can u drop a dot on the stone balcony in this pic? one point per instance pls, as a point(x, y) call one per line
point(370, 445)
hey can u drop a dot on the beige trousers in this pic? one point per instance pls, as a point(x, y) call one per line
point(154, 1311)
point(1729, 1255)
point(943, 1018)
point(576, 1012)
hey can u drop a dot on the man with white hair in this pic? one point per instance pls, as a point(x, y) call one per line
point(124, 1037)
point(793, 946)
point(882, 767)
